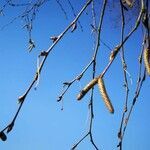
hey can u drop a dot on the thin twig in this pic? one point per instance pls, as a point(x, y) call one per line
point(93, 76)
point(140, 81)
point(61, 7)
point(118, 47)
point(30, 8)
point(124, 66)
point(139, 86)
point(23, 97)
point(73, 11)
point(78, 77)
point(91, 108)
point(116, 50)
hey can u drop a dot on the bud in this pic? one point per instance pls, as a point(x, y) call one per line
point(3, 137)
point(53, 38)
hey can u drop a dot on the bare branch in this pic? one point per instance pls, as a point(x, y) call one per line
point(23, 97)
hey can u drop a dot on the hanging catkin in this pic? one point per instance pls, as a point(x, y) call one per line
point(147, 60)
point(87, 88)
point(105, 95)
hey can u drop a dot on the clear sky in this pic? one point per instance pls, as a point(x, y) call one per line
point(41, 124)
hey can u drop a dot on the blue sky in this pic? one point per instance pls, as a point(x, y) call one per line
point(41, 124)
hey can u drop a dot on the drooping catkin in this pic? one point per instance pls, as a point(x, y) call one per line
point(147, 59)
point(87, 88)
point(104, 94)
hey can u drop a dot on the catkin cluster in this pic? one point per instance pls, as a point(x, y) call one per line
point(102, 89)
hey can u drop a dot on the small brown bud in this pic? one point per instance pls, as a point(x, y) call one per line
point(43, 53)
point(31, 45)
point(10, 127)
point(53, 38)
point(21, 98)
point(114, 53)
point(3, 136)
point(74, 27)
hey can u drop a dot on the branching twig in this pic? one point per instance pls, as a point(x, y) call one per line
point(124, 66)
point(115, 51)
point(30, 8)
point(29, 15)
point(139, 85)
point(78, 77)
point(89, 133)
point(23, 97)
point(137, 92)
point(117, 48)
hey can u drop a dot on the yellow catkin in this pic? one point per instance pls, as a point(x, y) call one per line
point(147, 59)
point(87, 88)
point(105, 95)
